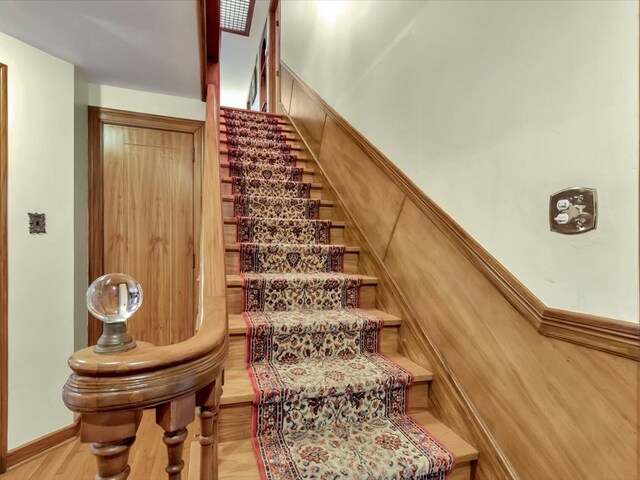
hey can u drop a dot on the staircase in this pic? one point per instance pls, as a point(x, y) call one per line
point(282, 250)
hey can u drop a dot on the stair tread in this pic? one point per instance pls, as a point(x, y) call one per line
point(313, 184)
point(237, 384)
point(224, 109)
point(334, 223)
point(293, 143)
point(323, 203)
point(236, 280)
point(237, 325)
point(309, 171)
point(235, 247)
point(301, 158)
point(238, 462)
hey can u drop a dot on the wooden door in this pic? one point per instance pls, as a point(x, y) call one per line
point(148, 188)
point(276, 56)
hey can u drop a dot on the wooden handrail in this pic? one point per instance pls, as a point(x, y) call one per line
point(110, 390)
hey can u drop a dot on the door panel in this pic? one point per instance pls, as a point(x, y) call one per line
point(148, 186)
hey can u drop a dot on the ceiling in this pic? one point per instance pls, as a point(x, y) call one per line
point(149, 45)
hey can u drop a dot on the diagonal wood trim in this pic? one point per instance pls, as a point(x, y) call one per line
point(40, 445)
point(4, 294)
point(447, 399)
point(601, 333)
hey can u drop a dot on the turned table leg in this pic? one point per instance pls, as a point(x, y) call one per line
point(209, 402)
point(111, 436)
point(174, 417)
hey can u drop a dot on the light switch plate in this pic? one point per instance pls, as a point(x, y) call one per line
point(581, 208)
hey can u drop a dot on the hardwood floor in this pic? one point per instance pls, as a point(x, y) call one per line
point(73, 461)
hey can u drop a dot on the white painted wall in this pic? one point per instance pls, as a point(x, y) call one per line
point(238, 59)
point(41, 268)
point(145, 102)
point(489, 107)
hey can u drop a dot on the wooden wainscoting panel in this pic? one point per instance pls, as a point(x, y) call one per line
point(286, 87)
point(446, 398)
point(309, 117)
point(552, 406)
point(375, 202)
point(536, 408)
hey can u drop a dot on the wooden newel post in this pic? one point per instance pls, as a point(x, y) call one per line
point(111, 436)
point(174, 417)
point(208, 401)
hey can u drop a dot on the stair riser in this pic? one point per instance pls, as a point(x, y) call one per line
point(234, 298)
point(238, 347)
point(281, 120)
point(302, 163)
point(231, 232)
point(283, 128)
point(227, 210)
point(306, 177)
point(290, 137)
point(232, 262)
point(315, 193)
point(295, 146)
point(235, 420)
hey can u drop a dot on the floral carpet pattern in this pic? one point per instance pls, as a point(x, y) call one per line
point(327, 405)
point(275, 207)
point(282, 230)
point(290, 258)
point(269, 188)
point(276, 157)
point(265, 171)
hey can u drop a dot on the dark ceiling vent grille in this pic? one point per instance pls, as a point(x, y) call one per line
point(235, 16)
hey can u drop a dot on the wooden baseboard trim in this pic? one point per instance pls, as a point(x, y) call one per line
point(42, 444)
point(600, 333)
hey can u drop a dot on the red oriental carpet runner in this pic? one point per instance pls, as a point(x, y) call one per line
point(327, 404)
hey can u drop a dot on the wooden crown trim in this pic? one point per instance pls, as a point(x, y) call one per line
point(600, 333)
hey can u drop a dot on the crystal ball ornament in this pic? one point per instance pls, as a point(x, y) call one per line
point(113, 299)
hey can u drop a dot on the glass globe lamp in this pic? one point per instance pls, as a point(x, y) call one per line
point(112, 299)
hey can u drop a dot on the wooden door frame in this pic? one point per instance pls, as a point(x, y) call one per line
point(4, 276)
point(272, 67)
point(98, 117)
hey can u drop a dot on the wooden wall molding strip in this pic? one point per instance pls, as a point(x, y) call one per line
point(4, 284)
point(42, 444)
point(535, 407)
point(600, 333)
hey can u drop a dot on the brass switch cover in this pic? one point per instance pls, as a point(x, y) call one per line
point(573, 210)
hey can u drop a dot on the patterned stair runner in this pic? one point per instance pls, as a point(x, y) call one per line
point(327, 405)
